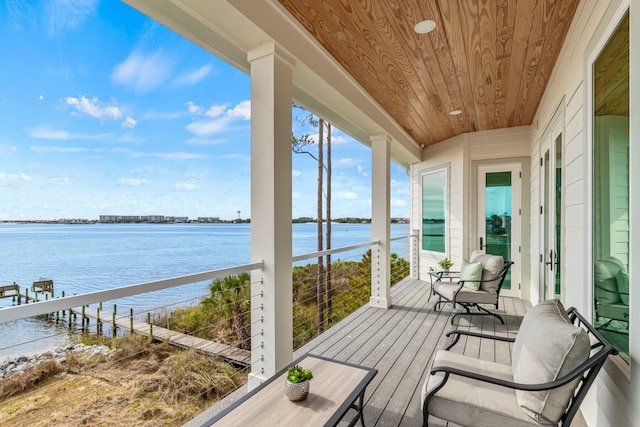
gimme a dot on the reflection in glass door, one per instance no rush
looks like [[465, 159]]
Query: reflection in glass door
[[499, 218]]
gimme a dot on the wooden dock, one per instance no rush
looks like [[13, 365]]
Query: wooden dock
[[42, 288], [211, 348]]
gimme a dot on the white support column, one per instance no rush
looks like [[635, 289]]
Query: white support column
[[380, 221], [271, 289]]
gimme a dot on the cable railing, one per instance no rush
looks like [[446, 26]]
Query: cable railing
[[185, 380], [325, 293], [220, 315]]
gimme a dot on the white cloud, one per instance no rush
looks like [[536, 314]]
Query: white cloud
[[41, 133], [295, 195], [142, 72], [46, 133], [360, 169], [204, 141], [339, 139], [41, 97], [192, 77], [346, 195], [59, 150], [131, 182], [60, 181], [67, 14], [240, 157], [92, 107], [398, 203], [216, 110], [219, 123], [343, 163], [296, 173], [8, 150], [193, 108], [14, 178], [129, 122], [187, 185], [241, 110], [208, 127], [174, 156]]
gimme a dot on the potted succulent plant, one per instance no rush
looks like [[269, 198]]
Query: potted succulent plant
[[445, 264], [296, 386]]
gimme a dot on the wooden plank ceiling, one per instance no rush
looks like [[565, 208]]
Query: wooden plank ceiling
[[491, 59]]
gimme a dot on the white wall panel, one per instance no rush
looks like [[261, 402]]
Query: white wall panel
[[609, 403]]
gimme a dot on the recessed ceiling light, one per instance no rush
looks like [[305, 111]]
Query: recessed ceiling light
[[424, 27], [455, 113]]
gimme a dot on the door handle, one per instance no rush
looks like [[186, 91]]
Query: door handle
[[550, 262], [481, 244]]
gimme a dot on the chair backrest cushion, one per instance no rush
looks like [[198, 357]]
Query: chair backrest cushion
[[492, 265], [604, 276], [547, 347], [471, 274]]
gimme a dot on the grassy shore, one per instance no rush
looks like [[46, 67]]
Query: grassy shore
[[139, 384]]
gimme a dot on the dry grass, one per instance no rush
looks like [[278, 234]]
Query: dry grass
[[18, 383], [142, 384]]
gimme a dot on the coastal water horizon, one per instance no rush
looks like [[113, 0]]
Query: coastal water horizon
[[89, 257]]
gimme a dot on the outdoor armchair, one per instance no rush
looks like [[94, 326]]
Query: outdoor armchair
[[469, 290], [611, 293], [556, 357]]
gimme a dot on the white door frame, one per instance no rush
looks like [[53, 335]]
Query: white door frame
[[546, 265], [516, 219]]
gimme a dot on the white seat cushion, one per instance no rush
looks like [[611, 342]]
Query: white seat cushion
[[473, 403], [466, 295]]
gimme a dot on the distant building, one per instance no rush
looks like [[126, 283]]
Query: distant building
[[208, 219], [155, 219], [119, 218], [177, 219]]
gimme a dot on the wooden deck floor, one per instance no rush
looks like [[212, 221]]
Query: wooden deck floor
[[400, 342]]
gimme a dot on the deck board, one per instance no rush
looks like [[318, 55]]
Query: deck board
[[400, 343]]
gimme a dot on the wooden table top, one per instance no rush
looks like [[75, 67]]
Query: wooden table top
[[334, 387]]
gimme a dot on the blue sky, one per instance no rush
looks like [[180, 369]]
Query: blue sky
[[104, 111]]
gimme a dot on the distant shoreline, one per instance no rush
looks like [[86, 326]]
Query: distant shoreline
[[81, 221]]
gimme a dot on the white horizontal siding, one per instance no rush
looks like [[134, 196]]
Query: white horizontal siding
[[568, 89]]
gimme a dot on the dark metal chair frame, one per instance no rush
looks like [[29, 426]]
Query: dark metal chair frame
[[587, 371], [438, 275]]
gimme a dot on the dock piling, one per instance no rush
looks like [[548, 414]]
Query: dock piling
[[150, 326], [115, 327]]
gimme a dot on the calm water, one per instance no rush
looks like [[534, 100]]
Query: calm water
[[85, 258]]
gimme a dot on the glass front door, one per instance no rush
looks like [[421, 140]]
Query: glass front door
[[499, 218]]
